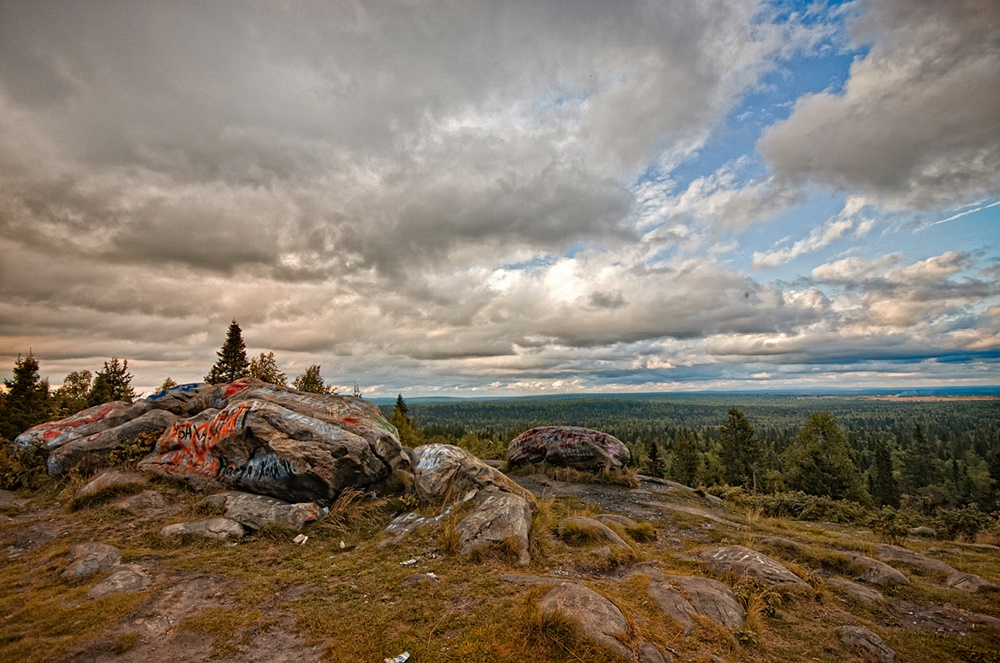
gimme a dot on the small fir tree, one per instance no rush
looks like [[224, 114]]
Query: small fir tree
[[312, 381], [409, 434], [232, 363], [264, 367], [657, 461], [169, 383], [112, 383]]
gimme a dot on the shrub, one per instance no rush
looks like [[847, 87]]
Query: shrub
[[21, 467], [964, 523]]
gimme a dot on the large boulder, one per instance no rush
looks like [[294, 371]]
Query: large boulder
[[278, 441], [501, 510], [88, 453], [579, 448]]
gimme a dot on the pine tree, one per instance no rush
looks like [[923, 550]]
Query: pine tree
[[169, 383], [819, 462], [740, 450], [26, 402], [884, 489], [112, 383], [312, 381], [232, 363], [265, 368]]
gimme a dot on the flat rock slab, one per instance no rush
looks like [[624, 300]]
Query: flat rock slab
[[597, 618], [856, 591], [899, 555], [940, 618], [744, 561], [260, 511], [127, 578], [87, 559], [615, 519], [968, 583], [862, 638], [212, 528], [683, 597]]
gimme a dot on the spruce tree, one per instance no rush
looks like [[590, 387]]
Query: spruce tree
[[739, 451], [112, 383], [657, 462], [232, 363], [819, 462], [884, 488], [409, 434], [921, 467], [26, 402], [685, 465]]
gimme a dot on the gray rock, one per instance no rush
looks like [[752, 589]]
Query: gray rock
[[54, 434], [927, 532], [650, 653], [599, 529], [862, 638], [501, 512], [856, 591], [127, 578], [212, 528], [279, 441], [87, 453], [110, 481], [968, 583], [878, 573], [580, 448], [597, 618], [86, 559], [683, 597], [740, 560], [260, 511]]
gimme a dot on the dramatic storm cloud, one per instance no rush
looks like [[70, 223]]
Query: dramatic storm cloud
[[518, 197]]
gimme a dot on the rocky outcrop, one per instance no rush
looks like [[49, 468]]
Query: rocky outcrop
[[87, 559], [125, 578], [579, 448], [683, 597], [877, 573], [86, 453], [278, 441], [744, 561]]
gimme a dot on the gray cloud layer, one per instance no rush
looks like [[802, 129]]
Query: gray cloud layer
[[450, 194]]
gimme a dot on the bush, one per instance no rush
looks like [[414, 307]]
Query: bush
[[797, 505], [20, 467], [963, 523]]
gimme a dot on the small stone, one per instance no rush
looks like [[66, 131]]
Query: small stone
[[598, 618], [300, 539], [856, 591], [650, 653], [110, 481], [128, 578], [927, 532], [147, 500]]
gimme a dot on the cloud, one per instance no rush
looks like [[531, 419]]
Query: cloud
[[916, 122], [821, 236]]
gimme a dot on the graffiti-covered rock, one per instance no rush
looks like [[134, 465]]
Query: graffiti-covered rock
[[278, 441], [87, 453], [579, 448]]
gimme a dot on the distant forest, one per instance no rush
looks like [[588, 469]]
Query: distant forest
[[924, 454]]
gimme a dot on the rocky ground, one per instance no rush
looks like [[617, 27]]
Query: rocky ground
[[145, 568]]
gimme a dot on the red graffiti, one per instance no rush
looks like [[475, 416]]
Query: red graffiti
[[235, 388], [54, 429], [188, 447]]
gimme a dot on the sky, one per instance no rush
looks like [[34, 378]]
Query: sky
[[458, 198]]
